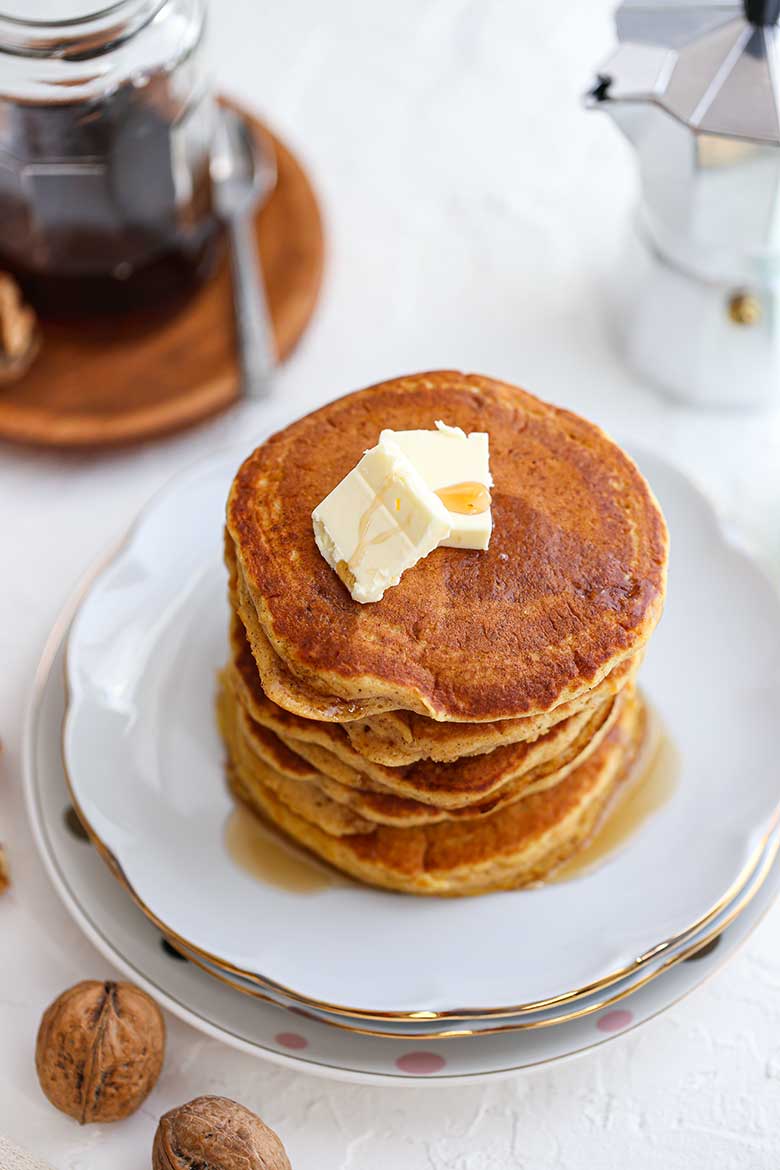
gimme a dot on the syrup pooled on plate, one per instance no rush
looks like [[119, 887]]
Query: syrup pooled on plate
[[649, 786], [259, 851]]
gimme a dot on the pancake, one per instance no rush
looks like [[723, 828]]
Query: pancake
[[305, 799], [328, 748], [572, 584], [401, 737], [512, 847], [248, 743], [395, 738], [481, 779], [282, 686]]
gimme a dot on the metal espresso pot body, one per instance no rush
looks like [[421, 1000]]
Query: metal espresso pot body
[[695, 87]]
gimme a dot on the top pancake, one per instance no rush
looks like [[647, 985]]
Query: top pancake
[[572, 584]]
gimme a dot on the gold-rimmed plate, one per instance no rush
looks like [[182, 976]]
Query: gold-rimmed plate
[[145, 766], [596, 1002], [131, 942]]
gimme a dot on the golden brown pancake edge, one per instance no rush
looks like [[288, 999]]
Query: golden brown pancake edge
[[572, 584]]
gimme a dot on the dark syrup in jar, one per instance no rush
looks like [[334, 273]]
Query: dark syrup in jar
[[106, 204]]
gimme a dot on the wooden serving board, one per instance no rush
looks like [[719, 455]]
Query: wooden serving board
[[111, 381]]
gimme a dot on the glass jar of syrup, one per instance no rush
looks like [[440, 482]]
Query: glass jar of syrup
[[106, 123]]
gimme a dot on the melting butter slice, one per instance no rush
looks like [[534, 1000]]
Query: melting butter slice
[[379, 521], [448, 459]]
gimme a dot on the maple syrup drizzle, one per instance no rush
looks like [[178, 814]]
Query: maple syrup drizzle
[[465, 499], [469, 498], [258, 850], [363, 543], [649, 786]]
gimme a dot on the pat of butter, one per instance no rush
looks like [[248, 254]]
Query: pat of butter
[[379, 521], [446, 457]]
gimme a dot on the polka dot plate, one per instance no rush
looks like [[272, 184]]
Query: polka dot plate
[[287, 1035]]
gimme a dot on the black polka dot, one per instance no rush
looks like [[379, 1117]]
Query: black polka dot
[[707, 949], [74, 825], [171, 951]]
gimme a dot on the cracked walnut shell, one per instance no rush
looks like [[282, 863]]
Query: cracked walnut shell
[[100, 1050], [214, 1133]]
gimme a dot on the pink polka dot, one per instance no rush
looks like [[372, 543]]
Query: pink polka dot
[[291, 1040], [614, 1021], [420, 1063]]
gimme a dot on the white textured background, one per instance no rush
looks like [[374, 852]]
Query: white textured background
[[473, 213]]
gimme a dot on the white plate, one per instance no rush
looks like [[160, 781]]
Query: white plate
[[146, 767], [585, 1005], [130, 941]]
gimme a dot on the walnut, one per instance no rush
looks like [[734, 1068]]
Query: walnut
[[214, 1133], [19, 336], [5, 873], [100, 1050]]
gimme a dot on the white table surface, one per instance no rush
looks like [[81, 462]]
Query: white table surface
[[473, 213]]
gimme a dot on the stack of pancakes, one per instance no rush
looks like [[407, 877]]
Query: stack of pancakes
[[465, 733]]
